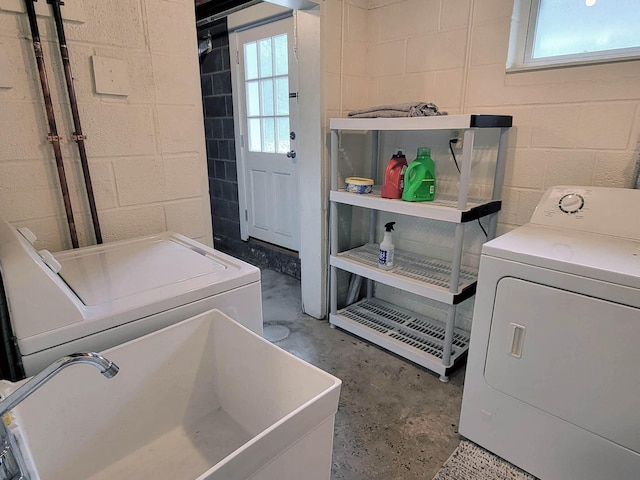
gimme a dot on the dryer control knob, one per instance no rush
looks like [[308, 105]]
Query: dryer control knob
[[571, 203]]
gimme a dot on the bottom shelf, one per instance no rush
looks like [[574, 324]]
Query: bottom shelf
[[412, 336]]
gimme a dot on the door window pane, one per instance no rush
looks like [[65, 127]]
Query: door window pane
[[266, 86], [267, 94], [268, 135], [250, 61], [255, 141], [283, 134], [266, 58], [253, 99], [282, 96], [282, 54]]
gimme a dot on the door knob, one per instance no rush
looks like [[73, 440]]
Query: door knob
[[291, 154]]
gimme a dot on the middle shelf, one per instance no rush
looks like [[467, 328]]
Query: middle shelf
[[443, 208], [428, 277]]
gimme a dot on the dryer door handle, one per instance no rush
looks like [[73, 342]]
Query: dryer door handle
[[517, 340]]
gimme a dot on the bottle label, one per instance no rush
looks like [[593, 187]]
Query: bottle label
[[385, 257]]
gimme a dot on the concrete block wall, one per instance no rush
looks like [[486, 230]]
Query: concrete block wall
[[136, 76], [219, 131], [572, 125]]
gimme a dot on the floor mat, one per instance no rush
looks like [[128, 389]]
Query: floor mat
[[471, 462]]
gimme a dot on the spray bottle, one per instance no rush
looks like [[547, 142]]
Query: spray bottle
[[385, 259]]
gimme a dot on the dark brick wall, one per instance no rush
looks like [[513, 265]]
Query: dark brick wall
[[217, 101], [215, 76]]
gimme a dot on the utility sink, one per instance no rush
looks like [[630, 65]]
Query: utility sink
[[202, 399]]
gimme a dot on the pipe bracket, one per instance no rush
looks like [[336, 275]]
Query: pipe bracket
[[76, 138]]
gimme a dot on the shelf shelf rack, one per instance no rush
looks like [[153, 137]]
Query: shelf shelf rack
[[428, 342]]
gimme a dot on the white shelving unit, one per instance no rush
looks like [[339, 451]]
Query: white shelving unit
[[428, 342]]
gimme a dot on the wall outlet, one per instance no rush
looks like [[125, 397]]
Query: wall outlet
[[456, 139]]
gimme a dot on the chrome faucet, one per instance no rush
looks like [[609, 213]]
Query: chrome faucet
[[106, 367], [12, 465]]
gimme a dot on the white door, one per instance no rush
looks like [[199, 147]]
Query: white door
[[266, 83]]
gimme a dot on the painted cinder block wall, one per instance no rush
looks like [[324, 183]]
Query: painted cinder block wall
[[136, 75], [574, 125]]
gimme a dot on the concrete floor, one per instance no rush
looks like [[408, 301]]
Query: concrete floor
[[395, 421]]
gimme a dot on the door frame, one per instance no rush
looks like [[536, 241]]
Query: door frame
[[312, 170], [239, 124]]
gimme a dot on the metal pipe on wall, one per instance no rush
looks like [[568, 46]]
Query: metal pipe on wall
[[53, 137], [78, 136]]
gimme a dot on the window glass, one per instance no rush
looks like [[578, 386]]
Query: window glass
[[268, 135], [574, 27], [267, 94], [266, 59], [283, 134], [250, 61], [266, 86], [255, 141], [253, 99], [282, 96], [563, 32], [282, 54]]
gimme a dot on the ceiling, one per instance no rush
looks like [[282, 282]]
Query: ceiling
[[207, 8]]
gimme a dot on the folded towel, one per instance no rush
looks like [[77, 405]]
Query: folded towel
[[415, 109]]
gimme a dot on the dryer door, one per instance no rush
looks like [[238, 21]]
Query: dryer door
[[558, 351]]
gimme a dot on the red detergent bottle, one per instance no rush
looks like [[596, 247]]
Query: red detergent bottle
[[393, 184]]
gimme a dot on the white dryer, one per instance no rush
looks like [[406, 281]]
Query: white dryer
[[93, 298], [552, 381]]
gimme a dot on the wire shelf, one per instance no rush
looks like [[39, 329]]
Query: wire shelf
[[418, 338], [411, 272]]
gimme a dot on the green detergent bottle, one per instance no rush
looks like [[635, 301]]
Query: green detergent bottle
[[420, 178]]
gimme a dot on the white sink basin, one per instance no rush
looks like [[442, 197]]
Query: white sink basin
[[203, 399]]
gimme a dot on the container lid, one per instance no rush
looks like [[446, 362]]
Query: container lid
[[359, 181], [104, 275]]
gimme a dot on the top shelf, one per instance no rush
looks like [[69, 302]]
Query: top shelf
[[440, 122]]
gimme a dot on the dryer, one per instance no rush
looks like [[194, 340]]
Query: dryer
[[552, 380], [93, 298]]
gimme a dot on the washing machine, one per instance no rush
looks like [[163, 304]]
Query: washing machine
[[93, 298], [552, 381]]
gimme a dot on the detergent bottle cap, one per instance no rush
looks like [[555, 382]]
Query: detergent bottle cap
[[424, 151], [399, 152], [389, 226]]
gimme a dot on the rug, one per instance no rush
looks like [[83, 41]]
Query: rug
[[472, 462]]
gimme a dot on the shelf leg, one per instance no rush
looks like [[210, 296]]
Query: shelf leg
[[375, 151], [493, 225], [333, 250], [457, 258], [334, 159], [375, 139], [503, 143], [465, 169], [448, 336]]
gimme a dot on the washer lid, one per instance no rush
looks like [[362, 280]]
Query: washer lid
[[129, 269]]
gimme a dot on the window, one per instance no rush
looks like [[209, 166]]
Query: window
[[267, 92], [562, 32]]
